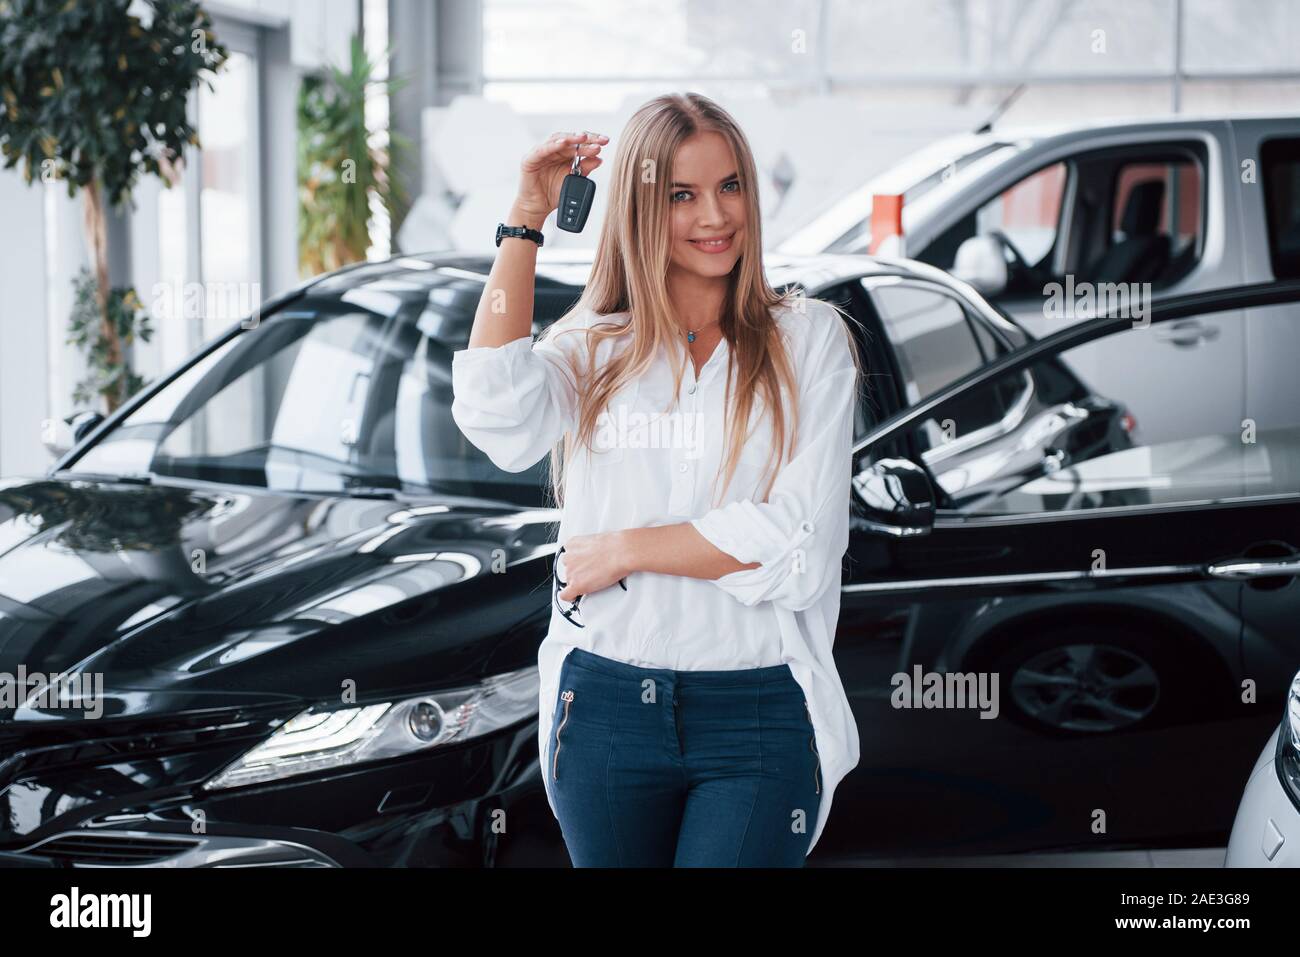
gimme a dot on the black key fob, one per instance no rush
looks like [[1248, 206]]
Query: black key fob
[[576, 193]]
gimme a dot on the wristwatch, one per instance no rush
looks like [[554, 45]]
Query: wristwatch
[[522, 232]]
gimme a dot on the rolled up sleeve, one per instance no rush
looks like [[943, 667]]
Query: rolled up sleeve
[[799, 536], [515, 401]]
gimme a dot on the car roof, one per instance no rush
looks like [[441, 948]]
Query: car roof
[[852, 207], [572, 268], [1133, 122]]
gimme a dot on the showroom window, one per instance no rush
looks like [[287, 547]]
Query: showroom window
[[228, 188]]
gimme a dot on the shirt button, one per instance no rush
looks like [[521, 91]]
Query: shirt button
[[691, 390], [808, 527], [683, 467]]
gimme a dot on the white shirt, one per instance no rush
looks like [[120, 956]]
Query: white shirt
[[515, 401]]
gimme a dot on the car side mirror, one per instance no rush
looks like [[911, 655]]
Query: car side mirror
[[981, 263], [83, 423], [897, 498], [70, 430]]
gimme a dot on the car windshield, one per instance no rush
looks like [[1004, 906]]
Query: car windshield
[[846, 227], [331, 393]]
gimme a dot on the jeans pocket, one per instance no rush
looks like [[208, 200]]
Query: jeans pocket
[[566, 699]]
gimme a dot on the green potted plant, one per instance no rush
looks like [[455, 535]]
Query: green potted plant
[[95, 94], [340, 166]]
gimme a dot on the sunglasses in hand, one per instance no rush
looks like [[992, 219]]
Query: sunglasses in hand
[[571, 614]]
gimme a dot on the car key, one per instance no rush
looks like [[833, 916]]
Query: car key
[[576, 193]]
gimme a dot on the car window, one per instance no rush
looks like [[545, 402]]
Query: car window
[[931, 336], [989, 345], [1146, 440], [1154, 223], [1179, 209], [1137, 214], [1028, 214], [323, 396], [1280, 168], [935, 342]]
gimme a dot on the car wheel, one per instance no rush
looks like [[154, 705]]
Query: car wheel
[[1095, 679]]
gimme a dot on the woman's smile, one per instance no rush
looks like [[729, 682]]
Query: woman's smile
[[717, 245]]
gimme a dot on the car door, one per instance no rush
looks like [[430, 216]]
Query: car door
[[1089, 229], [1092, 581], [1269, 156], [916, 336], [1151, 206]]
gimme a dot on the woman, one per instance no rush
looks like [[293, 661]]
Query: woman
[[691, 713]]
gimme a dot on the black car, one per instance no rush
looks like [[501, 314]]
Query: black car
[[314, 607], [1136, 601]]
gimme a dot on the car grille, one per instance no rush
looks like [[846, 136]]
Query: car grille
[[111, 849], [144, 849]]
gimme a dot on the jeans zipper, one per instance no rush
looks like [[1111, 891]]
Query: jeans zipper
[[567, 697], [812, 746]]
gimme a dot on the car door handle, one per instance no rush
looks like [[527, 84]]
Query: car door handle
[[1255, 568], [1185, 332]]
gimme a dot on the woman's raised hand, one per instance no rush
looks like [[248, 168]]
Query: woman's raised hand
[[543, 170]]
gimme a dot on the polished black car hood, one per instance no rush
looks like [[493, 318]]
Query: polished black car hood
[[179, 598]]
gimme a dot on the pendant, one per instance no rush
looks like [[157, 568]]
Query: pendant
[[690, 337]]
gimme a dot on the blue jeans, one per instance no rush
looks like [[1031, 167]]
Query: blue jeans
[[658, 768]]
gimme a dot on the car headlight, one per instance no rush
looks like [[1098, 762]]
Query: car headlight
[[1288, 743], [321, 738]]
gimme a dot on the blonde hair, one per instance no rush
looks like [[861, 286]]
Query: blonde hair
[[629, 275]]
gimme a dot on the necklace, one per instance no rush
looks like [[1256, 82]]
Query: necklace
[[690, 333]]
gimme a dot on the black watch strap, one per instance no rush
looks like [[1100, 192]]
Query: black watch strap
[[521, 232]]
